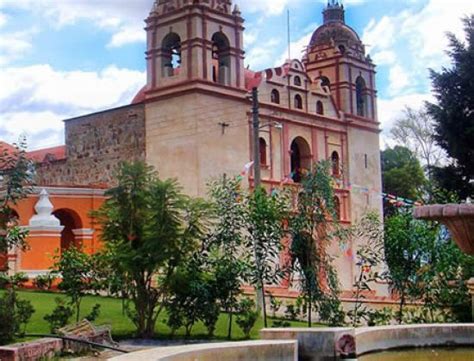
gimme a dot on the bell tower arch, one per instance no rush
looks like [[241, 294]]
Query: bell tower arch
[[194, 41], [336, 57]]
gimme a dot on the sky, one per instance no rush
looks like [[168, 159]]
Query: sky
[[64, 58]]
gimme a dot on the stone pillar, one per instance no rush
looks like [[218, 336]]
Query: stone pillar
[[470, 286], [44, 239]]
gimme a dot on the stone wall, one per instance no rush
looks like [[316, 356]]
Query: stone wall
[[95, 145]]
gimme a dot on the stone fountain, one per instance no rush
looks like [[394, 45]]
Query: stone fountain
[[459, 218]]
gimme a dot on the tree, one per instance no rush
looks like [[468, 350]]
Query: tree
[[313, 226], [16, 179], [152, 228], [226, 245], [265, 216], [401, 172], [416, 131], [406, 242], [369, 256], [75, 270], [453, 111]]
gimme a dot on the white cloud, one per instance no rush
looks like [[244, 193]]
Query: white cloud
[[128, 35], [268, 7], [297, 48], [389, 110], [117, 16], [399, 80], [385, 57], [14, 45], [35, 99], [3, 19]]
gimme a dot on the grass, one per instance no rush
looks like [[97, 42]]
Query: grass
[[122, 327]]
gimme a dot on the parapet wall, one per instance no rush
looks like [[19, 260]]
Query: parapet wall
[[251, 351], [95, 145]]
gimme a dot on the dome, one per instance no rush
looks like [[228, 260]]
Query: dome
[[334, 32]]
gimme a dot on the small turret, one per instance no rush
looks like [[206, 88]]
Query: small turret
[[334, 12]]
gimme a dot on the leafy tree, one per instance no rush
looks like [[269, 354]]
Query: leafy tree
[[226, 246], [402, 173], [265, 216], [247, 316], [16, 179], [74, 269], [453, 111], [406, 242], [369, 256], [415, 130], [152, 228], [312, 227]]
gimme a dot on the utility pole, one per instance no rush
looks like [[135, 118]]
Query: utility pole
[[257, 180], [256, 140]]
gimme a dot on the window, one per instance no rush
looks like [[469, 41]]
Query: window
[[297, 81], [263, 152], [342, 49], [220, 59], [361, 97], [171, 55], [337, 208], [366, 160], [319, 107], [335, 164], [275, 96], [300, 158], [298, 102]]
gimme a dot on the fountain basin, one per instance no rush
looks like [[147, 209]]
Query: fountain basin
[[459, 218]]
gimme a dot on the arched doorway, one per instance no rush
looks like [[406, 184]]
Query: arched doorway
[[70, 220], [300, 158]]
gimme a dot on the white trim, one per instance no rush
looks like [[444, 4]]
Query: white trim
[[83, 233], [57, 230], [35, 273], [68, 191]]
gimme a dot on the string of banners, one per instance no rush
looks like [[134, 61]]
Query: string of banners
[[390, 198]]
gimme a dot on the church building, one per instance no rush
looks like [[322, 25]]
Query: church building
[[193, 121]]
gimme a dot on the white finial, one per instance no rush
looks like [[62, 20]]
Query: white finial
[[44, 213]]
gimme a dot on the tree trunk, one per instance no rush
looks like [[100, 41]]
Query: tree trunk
[[229, 331], [310, 308], [264, 305]]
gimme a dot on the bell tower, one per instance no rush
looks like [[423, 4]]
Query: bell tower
[[194, 41], [336, 57]]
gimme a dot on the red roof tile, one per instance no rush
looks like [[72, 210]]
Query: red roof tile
[[48, 154]]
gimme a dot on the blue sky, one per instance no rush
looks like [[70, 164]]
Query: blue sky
[[63, 58]]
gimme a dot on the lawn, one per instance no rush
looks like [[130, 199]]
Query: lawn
[[122, 327]]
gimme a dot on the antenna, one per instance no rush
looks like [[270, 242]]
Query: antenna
[[289, 34]]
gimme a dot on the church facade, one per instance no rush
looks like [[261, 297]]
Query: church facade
[[192, 121]]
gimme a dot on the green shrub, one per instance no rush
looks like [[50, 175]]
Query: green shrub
[[14, 316], [247, 316], [44, 282], [60, 316], [94, 314]]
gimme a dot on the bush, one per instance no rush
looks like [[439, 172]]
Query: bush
[[44, 282], [94, 314], [247, 316], [14, 316], [60, 316]]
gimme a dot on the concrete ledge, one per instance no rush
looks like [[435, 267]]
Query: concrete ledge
[[231, 351], [321, 344], [314, 344], [45, 348], [372, 339]]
